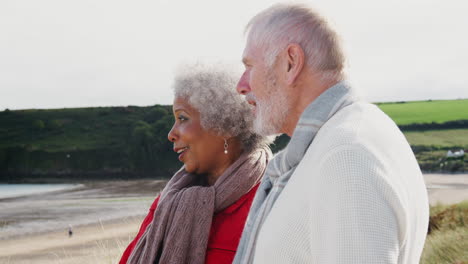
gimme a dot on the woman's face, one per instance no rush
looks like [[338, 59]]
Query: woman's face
[[201, 151]]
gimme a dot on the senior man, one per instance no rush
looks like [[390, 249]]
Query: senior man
[[347, 188]]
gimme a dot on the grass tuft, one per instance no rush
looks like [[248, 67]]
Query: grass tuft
[[447, 241]]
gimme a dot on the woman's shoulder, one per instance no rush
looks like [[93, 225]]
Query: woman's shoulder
[[155, 203], [226, 229], [244, 201], [148, 219]]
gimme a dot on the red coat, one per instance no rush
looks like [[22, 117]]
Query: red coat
[[226, 230]]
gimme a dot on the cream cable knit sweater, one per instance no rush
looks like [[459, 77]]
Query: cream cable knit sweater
[[358, 196]]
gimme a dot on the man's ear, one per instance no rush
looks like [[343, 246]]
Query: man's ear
[[295, 59]]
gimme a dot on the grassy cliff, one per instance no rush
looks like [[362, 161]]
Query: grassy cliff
[[77, 143]]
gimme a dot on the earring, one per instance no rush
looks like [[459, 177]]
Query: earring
[[225, 146]]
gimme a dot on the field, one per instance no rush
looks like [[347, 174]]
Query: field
[[432, 128], [404, 113], [442, 138]]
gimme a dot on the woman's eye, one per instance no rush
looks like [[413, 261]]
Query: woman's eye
[[182, 118]]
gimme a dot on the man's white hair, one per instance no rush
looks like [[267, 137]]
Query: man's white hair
[[210, 89], [282, 24]]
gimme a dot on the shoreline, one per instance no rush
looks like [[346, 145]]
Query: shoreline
[[71, 186], [94, 202]]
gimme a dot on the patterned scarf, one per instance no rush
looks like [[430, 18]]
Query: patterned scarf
[[284, 164], [182, 221]]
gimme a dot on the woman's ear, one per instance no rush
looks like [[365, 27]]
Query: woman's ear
[[295, 58]]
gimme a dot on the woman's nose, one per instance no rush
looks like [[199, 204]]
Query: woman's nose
[[172, 137]]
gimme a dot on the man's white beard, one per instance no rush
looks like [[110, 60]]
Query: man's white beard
[[271, 112]]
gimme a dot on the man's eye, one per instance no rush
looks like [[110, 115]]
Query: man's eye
[[182, 118]]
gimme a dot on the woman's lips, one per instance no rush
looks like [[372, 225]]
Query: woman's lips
[[182, 154]]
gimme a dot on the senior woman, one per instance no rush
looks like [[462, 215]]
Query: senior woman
[[200, 214]]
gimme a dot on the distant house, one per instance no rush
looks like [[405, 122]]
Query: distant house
[[455, 154]]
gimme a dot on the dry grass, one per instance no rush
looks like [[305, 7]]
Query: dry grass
[[447, 242], [446, 247], [100, 244]]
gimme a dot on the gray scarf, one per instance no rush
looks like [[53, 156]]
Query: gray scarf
[[284, 164], [182, 221]]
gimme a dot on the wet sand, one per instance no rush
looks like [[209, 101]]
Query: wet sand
[[106, 215]]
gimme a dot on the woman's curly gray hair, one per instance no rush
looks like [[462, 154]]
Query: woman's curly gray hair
[[210, 88]]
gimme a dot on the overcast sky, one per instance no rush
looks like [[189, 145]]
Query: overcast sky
[[64, 53]]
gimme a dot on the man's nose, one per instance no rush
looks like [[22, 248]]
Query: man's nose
[[243, 85]]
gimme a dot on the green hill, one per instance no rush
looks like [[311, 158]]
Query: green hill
[[85, 142], [77, 128], [404, 113]]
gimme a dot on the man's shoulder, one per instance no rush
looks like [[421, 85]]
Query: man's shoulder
[[359, 128], [355, 124], [357, 115], [361, 137]]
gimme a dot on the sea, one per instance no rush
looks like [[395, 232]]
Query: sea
[[16, 190]]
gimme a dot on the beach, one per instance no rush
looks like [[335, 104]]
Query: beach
[[106, 215], [446, 188], [93, 243]]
